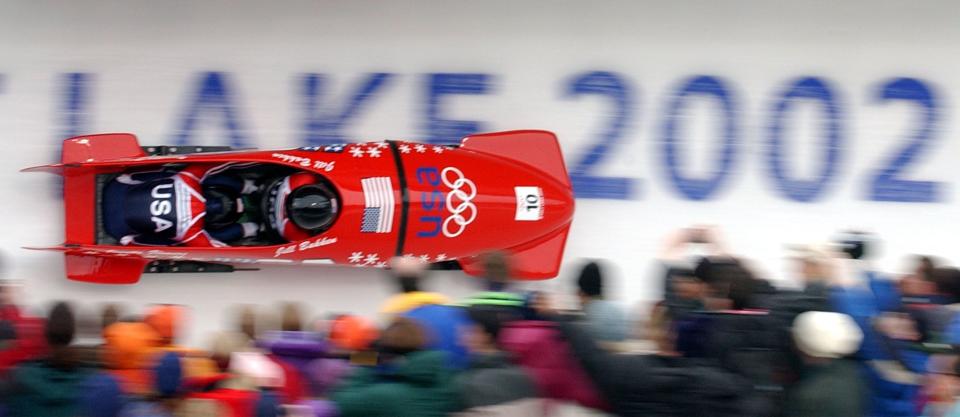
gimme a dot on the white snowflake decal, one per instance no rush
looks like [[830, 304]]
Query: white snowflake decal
[[420, 148], [438, 149], [357, 152], [424, 258], [404, 148], [382, 144], [356, 257], [441, 257], [373, 152], [371, 258]]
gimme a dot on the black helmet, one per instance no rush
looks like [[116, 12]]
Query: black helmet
[[311, 207], [223, 207]]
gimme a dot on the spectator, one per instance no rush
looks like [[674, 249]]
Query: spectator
[[247, 322], [9, 311], [491, 381], [128, 353], [830, 385], [291, 319], [224, 344], [497, 281], [102, 397], [409, 272], [686, 292], [352, 333], [540, 349], [8, 335], [29, 342], [109, 315], [894, 370], [605, 318], [736, 334], [650, 386], [165, 396], [167, 321], [443, 326], [408, 382], [50, 387], [942, 388]]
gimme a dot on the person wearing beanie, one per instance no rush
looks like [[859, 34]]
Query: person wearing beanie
[[51, 387], [829, 385], [606, 320], [408, 273], [167, 320], [128, 349], [407, 382]]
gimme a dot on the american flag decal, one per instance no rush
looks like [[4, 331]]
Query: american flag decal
[[378, 205]]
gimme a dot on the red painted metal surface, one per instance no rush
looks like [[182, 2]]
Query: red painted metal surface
[[507, 191]]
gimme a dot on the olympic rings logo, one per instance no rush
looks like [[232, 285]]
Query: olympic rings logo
[[459, 201]]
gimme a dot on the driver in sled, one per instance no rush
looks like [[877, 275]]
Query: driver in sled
[[203, 205]]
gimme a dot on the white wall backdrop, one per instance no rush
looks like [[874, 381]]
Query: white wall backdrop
[[879, 77]]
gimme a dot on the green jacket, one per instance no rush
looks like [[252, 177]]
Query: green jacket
[[416, 386], [38, 389], [833, 389]]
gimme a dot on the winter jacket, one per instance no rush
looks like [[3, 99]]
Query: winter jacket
[[492, 379], [539, 348], [296, 349], [39, 389], [834, 389], [651, 386], [418, 385], [745, 343], [444, 326], [893, 371], [607, 321]]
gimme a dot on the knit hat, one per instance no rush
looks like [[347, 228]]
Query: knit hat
[[127, 351], [165, 320], [590, 281], [822, 334], [102, 396], [168, 375], [352, 332]]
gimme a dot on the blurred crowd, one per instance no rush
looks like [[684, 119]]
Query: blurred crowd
[[847, 340]]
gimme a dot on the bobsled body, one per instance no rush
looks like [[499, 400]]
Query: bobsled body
[[500, 191]]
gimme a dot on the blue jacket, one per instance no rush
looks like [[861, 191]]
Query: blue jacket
[[889, 396]]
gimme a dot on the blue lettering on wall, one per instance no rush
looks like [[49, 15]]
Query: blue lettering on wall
[[441, 130], [710, 88], [75, 97], [609, 85], [212, 98], [887, 183], [324, 124], [810, 89]]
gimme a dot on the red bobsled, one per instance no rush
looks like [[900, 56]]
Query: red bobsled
[[441, 204]]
